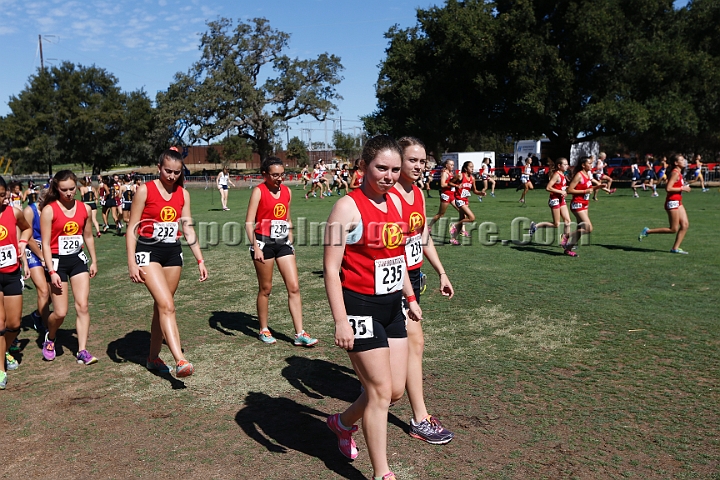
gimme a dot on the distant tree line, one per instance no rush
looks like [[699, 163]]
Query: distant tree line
[[638, 73]]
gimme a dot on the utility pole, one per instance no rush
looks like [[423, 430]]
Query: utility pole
[[42, 64]]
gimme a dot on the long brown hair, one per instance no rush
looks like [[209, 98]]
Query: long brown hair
[[53, 193]]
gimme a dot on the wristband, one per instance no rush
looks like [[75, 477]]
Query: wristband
[[411, 299], [51, 272], [202, 260], [22, 241]]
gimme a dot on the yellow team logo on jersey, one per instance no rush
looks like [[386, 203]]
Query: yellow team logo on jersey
[[168, 214], [279, 211], [416, 222], [3, 232], [71, 228], [392, 235]]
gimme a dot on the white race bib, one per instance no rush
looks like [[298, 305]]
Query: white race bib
[[672, 204], [389, 275], [586, 196], [465, 194], [413, 250], [69, 244], [278, 229], [554, 202], [362, 326], [8, 256], [576, 206], [165, 231], [142, 259], [83, 257]]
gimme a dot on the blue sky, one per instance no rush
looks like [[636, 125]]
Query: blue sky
[[145, 42]]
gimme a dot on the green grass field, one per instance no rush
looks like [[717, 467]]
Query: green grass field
[[545, 366]]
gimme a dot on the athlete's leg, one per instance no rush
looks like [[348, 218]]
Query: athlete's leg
[[683, 225], [162, 283], [288, 270], [264, 275], [414, 382], [441, 212], [93, 217], [80, 284], [42, 289], [13, 314]]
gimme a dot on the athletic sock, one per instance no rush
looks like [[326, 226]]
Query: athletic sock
[[341, 424]]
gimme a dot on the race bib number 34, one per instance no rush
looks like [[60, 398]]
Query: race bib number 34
[[389, 275], [69, 244], [8, 256]]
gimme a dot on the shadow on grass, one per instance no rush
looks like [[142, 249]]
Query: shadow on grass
[[228, 323], [628, 248], [284, 426], [537, 250], [318, 379], [134, 347]]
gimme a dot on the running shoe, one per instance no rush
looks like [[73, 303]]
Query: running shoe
[[306, 197], [184, 369], [643, 234], [431, 431], [37, 321], [479, 199], [48, 348], [454, 241], [105, 227], [705, 189], [453, 230], [387, 476], [636, 195], [423, 283], [492, 194], [679, 250], [346, 444], [612, 190], [84, 357], [570, 253], [522, 200], [564, 239], [302, 339], [266, 337], [15, 346], [655, 194], [533, 228], [157, 365], [10, 362], [99, 234], [465, 233], [3, 380]]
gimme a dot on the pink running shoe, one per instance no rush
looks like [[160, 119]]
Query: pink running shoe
[[346, 444], [465, 233], [48, 349], [453, 230], [454, 241], [563, 240]]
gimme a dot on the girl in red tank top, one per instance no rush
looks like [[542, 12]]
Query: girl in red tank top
[[269, 228], [364, 252], [159, 210], [423, 425], [557, 186], [65, 228], [11, 251], [581, 187], [463, 193], [447, 192], [677, 216]]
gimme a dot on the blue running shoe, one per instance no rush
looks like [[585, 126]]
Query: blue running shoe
[[643, 234]]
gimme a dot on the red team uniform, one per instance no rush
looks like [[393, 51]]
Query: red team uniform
[[557, 200], [581, 202]]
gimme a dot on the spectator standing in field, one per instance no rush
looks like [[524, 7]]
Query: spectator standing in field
[[677, 215], [223, 179]]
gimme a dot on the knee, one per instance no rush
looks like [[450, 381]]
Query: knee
[[165, 307], [416, 342], [293, 288], [81, 307], [265, 290], [380, 393], [685, 224], [43, 291], [60, 311]]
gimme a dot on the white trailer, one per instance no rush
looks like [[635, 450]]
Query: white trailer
[[475, 157]]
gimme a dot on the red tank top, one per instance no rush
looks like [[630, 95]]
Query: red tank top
[[9, 251], [413, 216], [159, 217], [449, 190], [66, 232], [465, 189], [679, 183], [272, 213], [561, 184], [584, 184], [375, 264]]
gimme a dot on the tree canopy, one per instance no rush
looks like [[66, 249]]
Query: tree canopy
[[232, 87], [76, 114], [573, 70], [297, 149]]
